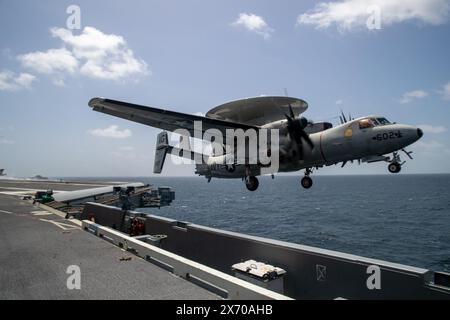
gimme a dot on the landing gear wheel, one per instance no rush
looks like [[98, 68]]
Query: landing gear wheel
[[394, 167], [251, 183], [306, 182]]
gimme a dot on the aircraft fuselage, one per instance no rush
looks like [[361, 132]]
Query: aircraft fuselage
[[353, 140]]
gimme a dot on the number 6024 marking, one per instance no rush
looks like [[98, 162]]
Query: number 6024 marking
[[388, 135]]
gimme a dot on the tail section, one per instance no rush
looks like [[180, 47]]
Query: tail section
[[162, 147]]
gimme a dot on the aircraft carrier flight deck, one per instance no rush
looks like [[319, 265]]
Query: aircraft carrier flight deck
[[37, 246], [123, 254]]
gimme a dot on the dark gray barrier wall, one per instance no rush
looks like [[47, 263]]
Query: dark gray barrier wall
[[312, 273], [105, 215]]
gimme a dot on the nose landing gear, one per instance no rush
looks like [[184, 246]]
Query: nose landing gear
[[395, 165], [306, 181]]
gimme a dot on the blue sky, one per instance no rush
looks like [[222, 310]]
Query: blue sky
[[190, 56]]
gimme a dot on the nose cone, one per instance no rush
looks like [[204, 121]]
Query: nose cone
[[419, 133], [407, 135]]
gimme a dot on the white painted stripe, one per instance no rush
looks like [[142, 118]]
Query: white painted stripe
[[4, 211], [15, 193], [58, 213], [61, 225], [41, 213]]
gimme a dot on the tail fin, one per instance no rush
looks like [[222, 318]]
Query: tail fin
[[162, 147]]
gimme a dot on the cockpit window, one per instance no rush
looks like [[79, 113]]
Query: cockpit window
[[366, 123], [383, 121], [372, 122]]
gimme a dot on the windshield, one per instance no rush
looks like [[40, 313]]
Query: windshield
[[372, 122], [383, 121]]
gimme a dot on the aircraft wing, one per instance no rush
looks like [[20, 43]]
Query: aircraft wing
[[163, 119]]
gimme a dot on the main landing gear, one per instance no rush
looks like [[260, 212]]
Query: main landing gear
[[306, 181], [251, 183]]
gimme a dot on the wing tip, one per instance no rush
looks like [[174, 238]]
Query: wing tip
[[94, 102]]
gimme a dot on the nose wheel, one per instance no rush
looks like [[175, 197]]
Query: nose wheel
[[251, 183], [394, 167]]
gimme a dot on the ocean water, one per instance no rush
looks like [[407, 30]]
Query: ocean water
[[399, 218]]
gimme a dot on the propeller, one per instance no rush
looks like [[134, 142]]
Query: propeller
[[296, 128]]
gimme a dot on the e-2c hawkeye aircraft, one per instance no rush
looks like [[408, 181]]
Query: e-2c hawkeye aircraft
[[302, 144]]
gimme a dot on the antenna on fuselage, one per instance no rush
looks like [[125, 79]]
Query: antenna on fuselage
[[344, 119]]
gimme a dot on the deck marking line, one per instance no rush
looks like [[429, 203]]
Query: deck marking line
[[61, 225], [41, 213]]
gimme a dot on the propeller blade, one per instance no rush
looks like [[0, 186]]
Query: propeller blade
[[306, 137], [287, 117], [291, 111], [296, 131]]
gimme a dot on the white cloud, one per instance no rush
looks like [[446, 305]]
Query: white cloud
[[412, 95], [253, 23], [427, 128], [350, 14], [50, 62], [92, 53], [339, 102], [59, 82], [24, 80], [106, 56], [446, 91], [9, 81], [111, 132]]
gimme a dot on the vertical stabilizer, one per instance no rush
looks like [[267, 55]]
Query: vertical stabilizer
[[162, 147]]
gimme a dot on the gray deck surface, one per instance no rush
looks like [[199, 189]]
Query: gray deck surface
[[35, 254]]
